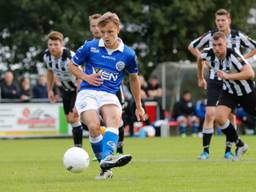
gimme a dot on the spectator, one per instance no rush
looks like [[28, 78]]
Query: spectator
[[155, 92], [25, 90], [40, 89], [154, 89], [9, 90], [183, 112]]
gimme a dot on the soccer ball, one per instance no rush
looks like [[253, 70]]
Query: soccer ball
[[76, 160]]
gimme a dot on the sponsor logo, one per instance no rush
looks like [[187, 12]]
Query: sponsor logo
[[106, 75], [94, 50], [108, 57]]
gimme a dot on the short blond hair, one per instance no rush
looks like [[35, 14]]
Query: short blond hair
[[222, 12], [55, 35], [109, 17]]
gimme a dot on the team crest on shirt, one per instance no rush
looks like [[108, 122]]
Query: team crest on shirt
[[120, 65]]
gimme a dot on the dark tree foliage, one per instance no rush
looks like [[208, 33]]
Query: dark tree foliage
[[158, 30]]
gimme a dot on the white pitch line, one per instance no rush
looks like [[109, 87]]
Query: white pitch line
[[194, 161]]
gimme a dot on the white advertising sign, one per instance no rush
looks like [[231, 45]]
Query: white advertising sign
[[15, 117]]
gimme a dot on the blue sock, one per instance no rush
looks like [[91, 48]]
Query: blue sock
[[195, 128], [110, 140], [96, 144], [183, 129]]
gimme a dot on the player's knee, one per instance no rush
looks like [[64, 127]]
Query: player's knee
[[210, 115], [220, 118], [114, 121], [94, 127]]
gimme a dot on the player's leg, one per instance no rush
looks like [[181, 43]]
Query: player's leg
[[229, 130], [214, 88], [228, 102], [248, 102], [77, 130], [228, 154], [120, 143], [91, 119], [68, 98], [111, 114], [87, 107], [207, 131]]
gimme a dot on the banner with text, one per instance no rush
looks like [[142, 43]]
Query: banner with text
[[29, 118]]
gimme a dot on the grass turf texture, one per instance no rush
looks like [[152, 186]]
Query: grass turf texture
[[168, 164]]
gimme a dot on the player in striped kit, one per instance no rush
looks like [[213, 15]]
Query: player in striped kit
[[56, 58], [238, 87], [236, 39]]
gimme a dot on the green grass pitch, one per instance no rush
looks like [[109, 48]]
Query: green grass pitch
[[168, 164]]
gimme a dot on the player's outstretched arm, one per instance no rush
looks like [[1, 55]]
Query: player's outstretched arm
[[135, 88]]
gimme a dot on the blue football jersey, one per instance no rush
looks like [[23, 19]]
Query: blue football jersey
[[97, 59]]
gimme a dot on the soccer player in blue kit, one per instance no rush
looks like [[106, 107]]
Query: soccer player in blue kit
[[106, 60]]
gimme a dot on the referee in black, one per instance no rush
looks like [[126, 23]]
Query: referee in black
[[238, 88]]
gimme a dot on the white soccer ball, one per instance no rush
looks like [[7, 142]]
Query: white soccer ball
[[76, 160]]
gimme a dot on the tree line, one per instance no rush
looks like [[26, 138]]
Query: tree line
[[158, 30]]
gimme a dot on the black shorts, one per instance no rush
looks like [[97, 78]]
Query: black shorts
[[248, 102], [68, 100], [214, 89], [120, 97]]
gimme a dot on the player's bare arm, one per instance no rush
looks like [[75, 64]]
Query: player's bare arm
[[246, 73], [194, 51], [93, 79], [50, 83], [250, 54], [135, 88], [200, 73]]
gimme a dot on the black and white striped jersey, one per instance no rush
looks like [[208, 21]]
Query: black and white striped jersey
[[215, 64], [232, 63], [60, 68], [236, 40]]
